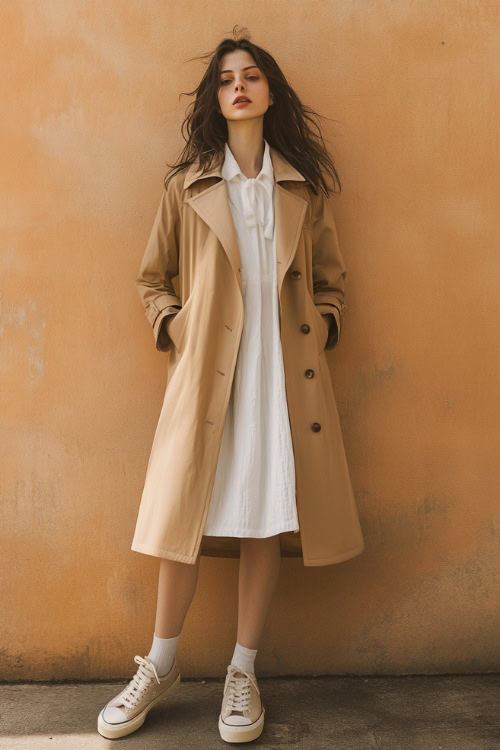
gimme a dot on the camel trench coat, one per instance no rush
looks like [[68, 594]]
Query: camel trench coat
[[191, 266]]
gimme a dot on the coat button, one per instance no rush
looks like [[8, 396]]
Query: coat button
[[315, 427], [295, 274], [305, 328], [309, 373]]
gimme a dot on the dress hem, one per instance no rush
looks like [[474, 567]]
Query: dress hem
[[256, 533]]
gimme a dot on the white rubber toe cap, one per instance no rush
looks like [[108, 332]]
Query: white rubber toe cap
[[113, 715], [235, 720]]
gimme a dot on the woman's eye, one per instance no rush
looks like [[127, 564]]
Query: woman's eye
[[250, 78]]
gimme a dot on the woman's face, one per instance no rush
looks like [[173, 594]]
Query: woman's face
[[239, 76]]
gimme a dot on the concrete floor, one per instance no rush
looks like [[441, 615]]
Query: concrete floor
[[334, 713]]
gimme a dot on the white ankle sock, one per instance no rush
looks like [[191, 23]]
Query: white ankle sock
[[244, 657], [162, 653]]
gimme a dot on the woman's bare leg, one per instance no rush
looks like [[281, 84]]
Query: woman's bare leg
[[258, 575], [176, 588]]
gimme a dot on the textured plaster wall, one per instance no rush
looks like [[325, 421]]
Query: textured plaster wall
[[90, 115]]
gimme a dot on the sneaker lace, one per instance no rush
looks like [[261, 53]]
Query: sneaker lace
[[140, 681], [239, 689]]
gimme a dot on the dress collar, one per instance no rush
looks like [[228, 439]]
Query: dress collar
[[231, 168]]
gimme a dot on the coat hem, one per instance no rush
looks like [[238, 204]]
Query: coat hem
[[146, 549], [310, 562]]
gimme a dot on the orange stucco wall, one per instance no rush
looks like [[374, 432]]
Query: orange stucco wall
[[90, 115]]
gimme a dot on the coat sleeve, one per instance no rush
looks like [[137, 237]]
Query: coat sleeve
[[328, 268], [160, 264]]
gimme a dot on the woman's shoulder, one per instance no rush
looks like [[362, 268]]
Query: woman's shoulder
[[174, 183], [302, 190]]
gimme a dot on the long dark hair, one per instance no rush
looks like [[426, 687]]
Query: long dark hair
[[289, 125]]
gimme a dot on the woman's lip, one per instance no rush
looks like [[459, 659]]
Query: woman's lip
[[243, 101]]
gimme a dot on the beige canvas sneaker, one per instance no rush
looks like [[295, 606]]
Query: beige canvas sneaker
[[127, 711], [242, 714]]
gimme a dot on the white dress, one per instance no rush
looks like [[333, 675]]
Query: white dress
[[254, 486]]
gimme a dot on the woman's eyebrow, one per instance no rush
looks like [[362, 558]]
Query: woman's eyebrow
[[247, 67]]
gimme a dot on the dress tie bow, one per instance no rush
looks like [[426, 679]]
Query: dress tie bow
[[257, 197]]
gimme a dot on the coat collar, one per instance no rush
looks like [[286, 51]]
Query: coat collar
[[282, 168], [212, 206]]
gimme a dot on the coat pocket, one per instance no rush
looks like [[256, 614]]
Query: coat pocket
[[319, 325], [177, 326]]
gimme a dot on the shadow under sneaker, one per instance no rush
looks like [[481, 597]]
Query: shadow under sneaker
[[127, 711]]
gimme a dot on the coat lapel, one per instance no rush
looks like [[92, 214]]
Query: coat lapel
[[212, 205]]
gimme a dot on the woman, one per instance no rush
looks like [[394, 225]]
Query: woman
[[247, 458]]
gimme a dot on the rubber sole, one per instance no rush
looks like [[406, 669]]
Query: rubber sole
[[242, 733], [113, 731]]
